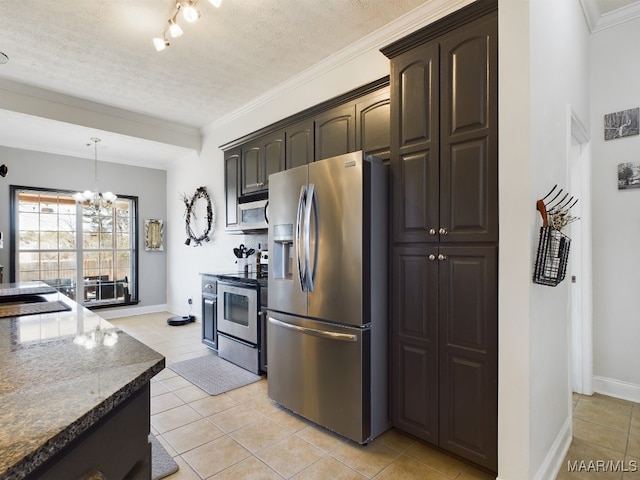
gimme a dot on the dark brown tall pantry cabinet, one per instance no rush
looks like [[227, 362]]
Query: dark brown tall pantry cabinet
[[444, 164]]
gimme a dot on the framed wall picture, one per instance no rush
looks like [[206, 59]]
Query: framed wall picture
[[628, 175], [153, 235], [621, 124]]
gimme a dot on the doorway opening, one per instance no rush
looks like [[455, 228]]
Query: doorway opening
[[580, 304]]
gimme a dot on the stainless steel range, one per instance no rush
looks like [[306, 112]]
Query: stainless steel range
[[241, 317]]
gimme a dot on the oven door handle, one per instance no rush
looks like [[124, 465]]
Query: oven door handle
[[343, 337]]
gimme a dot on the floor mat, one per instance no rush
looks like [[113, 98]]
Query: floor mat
[[162, 465], [213, 374]]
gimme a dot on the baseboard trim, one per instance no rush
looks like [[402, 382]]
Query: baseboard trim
[[555, 457], [616, 388], [109, 314]]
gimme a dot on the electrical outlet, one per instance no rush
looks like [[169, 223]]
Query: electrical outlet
[[190, 301]]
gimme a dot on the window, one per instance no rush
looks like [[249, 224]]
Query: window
[[87, 254]]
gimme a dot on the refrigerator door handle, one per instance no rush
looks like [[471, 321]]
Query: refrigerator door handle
[[311, 204], [343, 337], [299, 221]]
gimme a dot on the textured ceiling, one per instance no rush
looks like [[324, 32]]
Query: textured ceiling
[[78, 51], [102, 50]]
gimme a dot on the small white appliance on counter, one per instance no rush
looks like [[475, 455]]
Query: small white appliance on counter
[[327, 311]]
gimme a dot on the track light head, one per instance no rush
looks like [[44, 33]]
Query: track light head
[[174, 29], [160, 43], [189, 11]]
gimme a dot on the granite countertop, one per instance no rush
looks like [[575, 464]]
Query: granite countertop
[[251, 278], [60, 373]]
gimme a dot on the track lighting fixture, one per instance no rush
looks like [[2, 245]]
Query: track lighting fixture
[[190, 13]]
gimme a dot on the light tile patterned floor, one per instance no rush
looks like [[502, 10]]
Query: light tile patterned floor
[[242, 434], [605, 429]]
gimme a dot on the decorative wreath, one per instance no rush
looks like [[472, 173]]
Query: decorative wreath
[[201, 192]]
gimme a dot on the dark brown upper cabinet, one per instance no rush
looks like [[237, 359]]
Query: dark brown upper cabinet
[[335, 132], [469, 134], [231, 169], [260, 159], [299, 139], [356, 120], [415, 115], [373, 124], [444, 114]]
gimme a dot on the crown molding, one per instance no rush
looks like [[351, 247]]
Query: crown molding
[[598, 21], [408, 23]]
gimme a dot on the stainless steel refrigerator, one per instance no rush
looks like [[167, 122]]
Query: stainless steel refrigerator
[[327, 312]]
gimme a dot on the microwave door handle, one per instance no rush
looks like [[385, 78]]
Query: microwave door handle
[[298, 239], [312, 206]]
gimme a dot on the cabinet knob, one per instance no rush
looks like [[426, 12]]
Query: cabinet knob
[[432, 231], [432, 257], [208, 285], [443, 231], [260, 184], [442, 257]]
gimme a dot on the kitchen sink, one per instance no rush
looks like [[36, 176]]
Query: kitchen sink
[[21, 299]]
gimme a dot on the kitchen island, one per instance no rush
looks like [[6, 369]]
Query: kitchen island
[[74, 392]]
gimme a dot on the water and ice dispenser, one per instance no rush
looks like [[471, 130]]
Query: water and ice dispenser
[[283, 251]]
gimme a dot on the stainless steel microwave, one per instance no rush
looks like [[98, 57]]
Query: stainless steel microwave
[[254, 215]]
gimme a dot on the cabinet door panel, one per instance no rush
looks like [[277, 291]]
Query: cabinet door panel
[[468, 136], [468, 64], [373, 125], [415, 93], [414, 372], [299, 149], [467, 351], [415, 146], [415, 197], [250, 169], [273, 148], [231, 167], [335, 132], [209, 323], [468, 193]]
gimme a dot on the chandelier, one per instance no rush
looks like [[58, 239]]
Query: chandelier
[[94, 198], [189, 12]]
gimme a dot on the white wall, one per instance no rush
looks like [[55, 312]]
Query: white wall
[[559, 77], [543, 61], [514, 266], [615, 71], [37, 169]]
